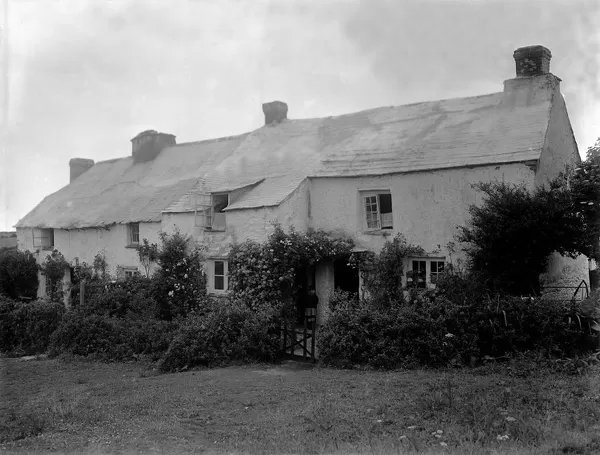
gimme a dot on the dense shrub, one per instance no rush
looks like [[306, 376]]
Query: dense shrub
[[180, 284], [136, 296], [512, 234], [230, 331], [55, 265], [382, 273], [26, 327], [264, 274], [18, 274], [433, 331], [111, 338]]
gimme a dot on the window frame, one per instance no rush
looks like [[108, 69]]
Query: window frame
[[130, 272], [207, 212], [49, 244], [130, 241], [428, 282], [366, 197], [224, 276], [438, 272]]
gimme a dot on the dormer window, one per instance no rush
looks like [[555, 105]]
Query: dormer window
[[133, 234], [209, 211], [377, 210]]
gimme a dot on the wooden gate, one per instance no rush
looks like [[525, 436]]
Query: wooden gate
[[298, 342]]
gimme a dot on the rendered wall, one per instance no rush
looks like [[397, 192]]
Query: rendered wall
[[84, 244], [560, 152], [427, 206]]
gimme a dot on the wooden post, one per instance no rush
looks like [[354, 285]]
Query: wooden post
[[82, 292], [312, 339], [304, 347], [284, 335]]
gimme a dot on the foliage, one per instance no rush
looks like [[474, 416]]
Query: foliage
[[100, 266], [25, 327], [18, 274], [264, 275], [136, 296], [432, 330], [511, 236], [584, 184], [148, 254], [382, 273], [110, 338], [228, 332], [180, 281], [54, 267]]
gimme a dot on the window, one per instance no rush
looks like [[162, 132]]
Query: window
[[220, 276], [419, 275], [134, 233], [43, 238], [130, 272], [378, 210], [437, 268], [422, 269], [209, 211]]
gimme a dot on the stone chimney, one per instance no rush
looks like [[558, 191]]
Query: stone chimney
[[275, 112], [78, 166], [534, 83], [148, 144], [532, 61]]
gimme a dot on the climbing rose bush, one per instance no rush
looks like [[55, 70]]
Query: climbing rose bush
[[263, 274]]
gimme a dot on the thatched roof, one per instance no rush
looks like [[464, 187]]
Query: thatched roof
[[275, 159]]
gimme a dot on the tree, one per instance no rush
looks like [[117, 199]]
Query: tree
[[584, 185], [18, 274], [148, 254], [512, 235]]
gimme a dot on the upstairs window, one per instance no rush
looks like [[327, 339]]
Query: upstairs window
[[43, 238], [209, 211], [377, 210], [133, 233]]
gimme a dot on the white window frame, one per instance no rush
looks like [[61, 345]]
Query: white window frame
[[212, 275], [370, 198], [130, 272], [437, 273], [205, 209], [43, 238], [130, 236], [429, 283]]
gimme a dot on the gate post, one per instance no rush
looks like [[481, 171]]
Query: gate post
[[82, 292]]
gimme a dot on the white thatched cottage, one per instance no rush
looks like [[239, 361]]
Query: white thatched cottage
[[368, 175]]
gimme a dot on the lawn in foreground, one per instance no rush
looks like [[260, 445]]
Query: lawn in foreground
[[84, 407]]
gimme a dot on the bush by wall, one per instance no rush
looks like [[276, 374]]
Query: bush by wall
[[230, 331], [135, 296], [111, 338], [26, 327], [18, 274], [433, 331]]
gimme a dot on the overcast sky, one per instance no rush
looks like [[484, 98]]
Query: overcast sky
[[85, 76]]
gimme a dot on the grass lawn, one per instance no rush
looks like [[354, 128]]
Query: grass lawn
[[85, 407]]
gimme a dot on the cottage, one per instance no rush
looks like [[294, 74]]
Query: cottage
[[366, 175]]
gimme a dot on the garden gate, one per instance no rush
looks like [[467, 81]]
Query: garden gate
[[298, 342]]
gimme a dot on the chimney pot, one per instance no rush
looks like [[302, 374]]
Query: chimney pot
[[275, 112], [532, 61], [78, 166], [148, 144]]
